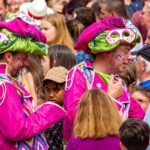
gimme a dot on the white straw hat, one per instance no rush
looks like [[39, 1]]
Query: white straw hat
[[36, 10]]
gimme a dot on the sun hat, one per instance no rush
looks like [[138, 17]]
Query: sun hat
[[106, 35], [36, 10], [56, 74]]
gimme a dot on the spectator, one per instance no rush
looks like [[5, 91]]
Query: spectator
[[142, 96], [143, 66], [55, 29], [58, 55], [52, 90], [134, 135], [97, 123]]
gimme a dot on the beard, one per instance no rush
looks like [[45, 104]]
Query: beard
[[2, 18], [19, 72]]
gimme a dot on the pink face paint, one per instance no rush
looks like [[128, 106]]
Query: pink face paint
[[120, 58]]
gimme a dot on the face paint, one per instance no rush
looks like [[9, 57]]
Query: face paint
[[120, 58]]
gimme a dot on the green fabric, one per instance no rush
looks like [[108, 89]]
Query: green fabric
[[104, 76], [18, 44], [99, 44]]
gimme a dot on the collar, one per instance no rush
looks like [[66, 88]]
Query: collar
[[3, 68], [89, 64], [145, 84]]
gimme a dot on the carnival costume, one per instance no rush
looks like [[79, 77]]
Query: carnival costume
[[102, 36], [20, 123]]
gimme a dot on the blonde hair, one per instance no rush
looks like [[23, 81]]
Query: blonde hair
[[62, 33], [97, 116]]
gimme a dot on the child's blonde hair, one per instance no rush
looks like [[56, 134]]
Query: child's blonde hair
[[97, 116]]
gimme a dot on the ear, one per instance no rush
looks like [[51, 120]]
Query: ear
[[122, 146], [144, 65], [8, 57]]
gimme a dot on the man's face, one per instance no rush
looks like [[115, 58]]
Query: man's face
[[2, 11], [120, 58], [146, 16], [55, 92], [141, 99], [13, 5], [16, 63], [140, 67]]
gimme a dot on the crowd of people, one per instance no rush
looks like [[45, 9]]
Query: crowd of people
[[74, 74]]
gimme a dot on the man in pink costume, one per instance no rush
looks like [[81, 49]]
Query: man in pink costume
[[20, 124], [110, 43]]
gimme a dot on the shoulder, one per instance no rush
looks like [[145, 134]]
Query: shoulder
[[3, 91], [75, 74]]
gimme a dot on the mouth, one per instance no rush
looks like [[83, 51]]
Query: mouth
[[52, 100]]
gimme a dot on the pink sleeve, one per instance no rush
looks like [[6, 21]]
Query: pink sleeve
[[135, 110], [13, 123], [74, 90]]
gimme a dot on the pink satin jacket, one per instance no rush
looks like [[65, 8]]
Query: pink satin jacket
[[20, 124], [82, 77]]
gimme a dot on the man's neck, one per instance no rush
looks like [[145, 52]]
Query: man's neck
[[144, 77], [101, 64]]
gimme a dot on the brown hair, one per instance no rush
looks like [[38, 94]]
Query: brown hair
[[129, 75], [97, 116], [35, 68], [116, 6], [61, 55], [62, 35], [75, 28], [142, 90]]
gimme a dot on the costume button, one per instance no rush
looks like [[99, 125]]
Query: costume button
[[98, 85]]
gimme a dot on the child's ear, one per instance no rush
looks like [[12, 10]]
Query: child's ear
[[122, 146]]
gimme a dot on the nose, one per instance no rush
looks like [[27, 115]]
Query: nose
[[26, 62], [147, 41], [16, 7], [52, 94], [128, 58], [43, 31]]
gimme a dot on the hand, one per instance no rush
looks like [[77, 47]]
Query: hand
[[115, 89]]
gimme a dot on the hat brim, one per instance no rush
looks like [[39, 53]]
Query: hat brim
[[25, 7]]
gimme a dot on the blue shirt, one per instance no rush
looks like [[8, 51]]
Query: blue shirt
[[145, 84]]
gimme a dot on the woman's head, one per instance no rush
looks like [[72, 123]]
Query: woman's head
[[58, 55], [55, 30], [97, 116]]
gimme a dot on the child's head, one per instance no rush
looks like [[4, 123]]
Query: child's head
[[97, 116], [142, 96], [134, 134], [52, 87]]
